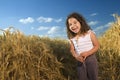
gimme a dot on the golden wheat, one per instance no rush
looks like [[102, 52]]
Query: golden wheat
[[27, 58], [109, 53], [35, 58]]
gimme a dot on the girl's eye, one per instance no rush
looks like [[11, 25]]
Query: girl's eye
[[70, 24], [75, 22]]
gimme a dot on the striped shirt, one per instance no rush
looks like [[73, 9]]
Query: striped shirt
[[83, 43]]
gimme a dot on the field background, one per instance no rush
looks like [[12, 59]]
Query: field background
[[41, 58]]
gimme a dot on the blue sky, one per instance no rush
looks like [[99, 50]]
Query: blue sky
[[47, 17]]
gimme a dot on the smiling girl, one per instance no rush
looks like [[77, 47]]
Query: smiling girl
[[83, 46]]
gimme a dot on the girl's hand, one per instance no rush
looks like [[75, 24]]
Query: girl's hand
[[80, 58], [84, 55]]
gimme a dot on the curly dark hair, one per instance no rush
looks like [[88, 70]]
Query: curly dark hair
[[84, 26]]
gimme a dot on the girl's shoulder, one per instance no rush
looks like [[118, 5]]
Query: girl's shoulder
[[90, 31], [72, 39]]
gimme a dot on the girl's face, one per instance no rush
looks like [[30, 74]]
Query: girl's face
[[74, 25]]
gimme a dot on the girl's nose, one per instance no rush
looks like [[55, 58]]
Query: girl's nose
[[73, 25]]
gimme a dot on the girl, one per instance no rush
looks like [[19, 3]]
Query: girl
[[83, 45]]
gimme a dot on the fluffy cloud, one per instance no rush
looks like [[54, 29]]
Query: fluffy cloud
[[101, 28], [43, 19], [47, 20], [53, 30], [58, 20], [43, 28], [50, 30], [92, 23], [40, 20], [93, 14], [27, 20]]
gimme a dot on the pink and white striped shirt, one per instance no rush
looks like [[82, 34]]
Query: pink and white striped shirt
[[83, 43]]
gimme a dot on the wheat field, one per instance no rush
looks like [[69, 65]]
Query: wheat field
[[41, 58]]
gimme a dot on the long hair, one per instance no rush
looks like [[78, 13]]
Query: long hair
[[84, 26]]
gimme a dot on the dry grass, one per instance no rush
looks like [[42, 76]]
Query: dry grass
[[109, 53], [35, 58], [27, 58]]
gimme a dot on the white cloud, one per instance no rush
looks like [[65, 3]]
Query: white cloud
[[32, 28], [58, 20], [108, 24], [40, 20], [91, 23], [43, 36], [43, 28], [27, 20], [93, 14], [43, 19], [46, 20], [98, 28], [53, 30], [103, 27], [57, 32]]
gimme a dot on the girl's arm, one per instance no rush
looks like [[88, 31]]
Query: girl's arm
[[72, 50], [95, 46]]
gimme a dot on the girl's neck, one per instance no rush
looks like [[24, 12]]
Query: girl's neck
[[79, 35]]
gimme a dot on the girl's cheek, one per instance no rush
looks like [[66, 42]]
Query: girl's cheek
[[70, 28]]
